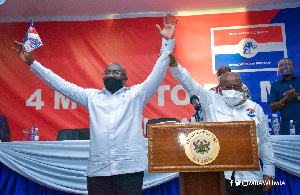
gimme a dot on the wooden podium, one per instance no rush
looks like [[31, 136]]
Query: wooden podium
[[237, 152]]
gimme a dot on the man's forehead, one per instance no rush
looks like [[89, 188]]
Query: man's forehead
[[114, 67], [230, 77], [285, 61]]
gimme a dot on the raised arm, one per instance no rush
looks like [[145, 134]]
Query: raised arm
[[153, 81], [188, 83], [70, 90], [168, 30]]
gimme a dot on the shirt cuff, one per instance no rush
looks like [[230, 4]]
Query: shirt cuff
[[269, 170], [35, 65], [38, 69], [168, 45]]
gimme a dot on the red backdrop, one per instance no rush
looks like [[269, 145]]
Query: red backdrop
[[79, 51]]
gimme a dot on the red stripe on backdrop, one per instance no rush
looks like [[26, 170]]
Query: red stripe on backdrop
[[259, 34], [79, 51]]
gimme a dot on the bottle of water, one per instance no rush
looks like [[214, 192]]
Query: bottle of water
[[25, 135], [292, 127], [31, 132], [36, 134], [275, 125]]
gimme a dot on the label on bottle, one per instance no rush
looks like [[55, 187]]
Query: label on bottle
[[193, 119], [292, 130], [275, 126], [31, 137]]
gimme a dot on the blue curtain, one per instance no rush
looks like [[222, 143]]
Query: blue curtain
[[291, 184], [168, 188], [12, 183]]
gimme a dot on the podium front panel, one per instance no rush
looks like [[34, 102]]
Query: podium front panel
[[237, 140]]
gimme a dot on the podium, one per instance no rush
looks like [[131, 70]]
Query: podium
[[168, 146]]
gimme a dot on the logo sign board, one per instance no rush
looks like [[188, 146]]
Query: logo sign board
[[248, 48]]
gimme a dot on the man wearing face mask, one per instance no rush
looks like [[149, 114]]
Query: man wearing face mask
[[231, 105], [194, 100], [285, 97], [220, 72], [117, 156]]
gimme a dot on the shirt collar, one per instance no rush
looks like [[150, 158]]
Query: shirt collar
[[123, 89], [241, 105]]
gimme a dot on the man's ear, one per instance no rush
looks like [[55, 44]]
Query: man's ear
[[124, 80]]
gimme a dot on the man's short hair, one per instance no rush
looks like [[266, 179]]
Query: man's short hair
[[223, 69]]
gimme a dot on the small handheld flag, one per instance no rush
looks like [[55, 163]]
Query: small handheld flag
[[32, 39]]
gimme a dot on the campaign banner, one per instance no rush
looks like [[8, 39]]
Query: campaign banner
[[248, 48], [80, 57]]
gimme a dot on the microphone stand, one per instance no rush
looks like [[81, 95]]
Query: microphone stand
[[197, 117]]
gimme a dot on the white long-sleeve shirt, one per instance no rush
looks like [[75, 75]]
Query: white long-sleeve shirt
[[214, 109], [117, 144]]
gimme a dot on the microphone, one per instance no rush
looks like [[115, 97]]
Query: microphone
[[194, 100]]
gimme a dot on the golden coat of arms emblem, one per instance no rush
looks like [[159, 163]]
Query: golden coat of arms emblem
[[202, 147]]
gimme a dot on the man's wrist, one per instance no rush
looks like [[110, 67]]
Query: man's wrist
[[168, 45], [30, 63], [282, 102], [270, 176], [173, 64]]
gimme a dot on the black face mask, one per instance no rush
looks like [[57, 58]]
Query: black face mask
[[112, 84]]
